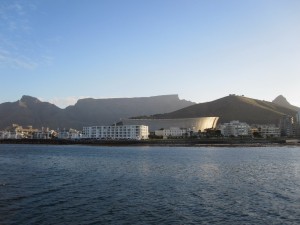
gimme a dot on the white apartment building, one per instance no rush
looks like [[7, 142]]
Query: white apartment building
[[41, 134], [235, 128], [269, 131], [11, 135], [69, 134], [172, 132], [134, 132]]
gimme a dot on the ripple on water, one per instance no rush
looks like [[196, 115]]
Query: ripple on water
[[99, 185]]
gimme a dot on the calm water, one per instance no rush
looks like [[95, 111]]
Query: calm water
[[148, 185]]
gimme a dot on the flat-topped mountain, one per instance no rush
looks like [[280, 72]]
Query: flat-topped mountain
[[234, 107], [86, 112]]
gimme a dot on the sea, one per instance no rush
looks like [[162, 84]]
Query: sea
[[46, 184]]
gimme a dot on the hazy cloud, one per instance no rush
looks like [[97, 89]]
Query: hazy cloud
[[15, 62], [14, 16], [19, 48]]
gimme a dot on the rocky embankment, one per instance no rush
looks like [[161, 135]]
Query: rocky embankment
[[168, 142]]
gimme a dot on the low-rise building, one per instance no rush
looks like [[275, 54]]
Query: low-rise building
[[268, 131], [171, 132], [69, 134], [134, 132], [18, 132], [44, 133], [235, 128], [11, 135]]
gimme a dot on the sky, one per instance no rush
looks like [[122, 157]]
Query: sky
[[202, 50]]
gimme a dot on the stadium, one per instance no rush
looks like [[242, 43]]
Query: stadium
[[194, 124]]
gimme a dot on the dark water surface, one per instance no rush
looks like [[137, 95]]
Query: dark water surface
[[149, 185]]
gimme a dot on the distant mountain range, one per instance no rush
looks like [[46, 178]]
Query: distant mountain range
[[233, 107], [89, 112], [86, 112]]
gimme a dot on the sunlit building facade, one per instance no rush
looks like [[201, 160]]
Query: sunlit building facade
[[193, 124], [120, 132]]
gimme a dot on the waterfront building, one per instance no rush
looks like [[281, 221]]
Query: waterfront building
[[286, 125], [235, 128], [44, 133], [14, 132], [172, 132], [17, 132], [2, 134], [69, 134], [134, 132], [297, 124], [297, 130], [11, 135], [193, 124], [268, 131], [298, 117]]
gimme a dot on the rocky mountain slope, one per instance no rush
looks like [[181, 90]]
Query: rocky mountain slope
[[86, 112], [234, 107], [280, 100]]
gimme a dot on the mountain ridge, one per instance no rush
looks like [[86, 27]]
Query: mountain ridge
[[92, 112], [233, 107], [86, 112]]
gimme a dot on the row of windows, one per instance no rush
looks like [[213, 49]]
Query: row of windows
[[115, 128], [112, 132]]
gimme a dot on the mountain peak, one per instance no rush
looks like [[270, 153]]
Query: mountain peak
[[281, 100], [27, 98]]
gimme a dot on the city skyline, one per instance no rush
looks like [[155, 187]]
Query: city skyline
[[60, 51]]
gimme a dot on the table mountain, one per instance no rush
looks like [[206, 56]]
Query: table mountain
[[86, 112]]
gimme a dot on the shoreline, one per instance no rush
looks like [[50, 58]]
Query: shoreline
[[158, 143]]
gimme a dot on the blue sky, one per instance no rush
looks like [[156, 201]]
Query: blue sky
[[62, 50]]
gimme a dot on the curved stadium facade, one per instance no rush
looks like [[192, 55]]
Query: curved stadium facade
[[195, 124]]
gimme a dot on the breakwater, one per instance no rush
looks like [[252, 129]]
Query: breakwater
[[168, 142]]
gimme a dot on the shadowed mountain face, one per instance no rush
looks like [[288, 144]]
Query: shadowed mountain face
[[90, 112], [280, 100], [30, 111], [86, 112], [234, 107]]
